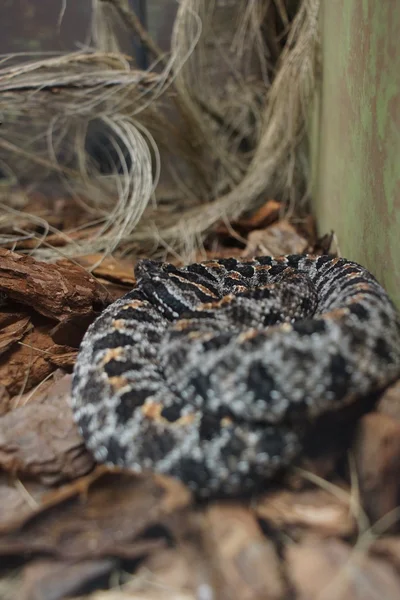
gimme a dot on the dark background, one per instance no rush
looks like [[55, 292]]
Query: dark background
[[32, 25]]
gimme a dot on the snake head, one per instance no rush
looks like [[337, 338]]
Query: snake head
[[148, 269]]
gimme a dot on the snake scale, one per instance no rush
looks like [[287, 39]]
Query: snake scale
[[210, 372]]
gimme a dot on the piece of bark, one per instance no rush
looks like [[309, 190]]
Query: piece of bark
[[41, 440], [103, 514], [58, 291]]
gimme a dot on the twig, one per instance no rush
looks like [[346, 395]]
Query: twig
[[131, 19]]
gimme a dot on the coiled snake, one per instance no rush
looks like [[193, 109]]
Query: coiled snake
[[208, 372]]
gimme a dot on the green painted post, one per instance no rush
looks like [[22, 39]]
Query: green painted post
[[356, 154]]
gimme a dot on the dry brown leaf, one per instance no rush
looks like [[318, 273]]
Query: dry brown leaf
[[276, 240], [377, 455], [41, 440], [50, 204], [262, 217], [13, 326], [323, 245], [167, 574], [332, 570], [30, 361], [103, 514], [58, 291], [55, 580], [307, 227], [4, 399], [389, 402], [247, 562], [18, 498], [112, 269], [389, 549], [45, 391], [218, 252], [64, 361], [56, 240], [316, 509]]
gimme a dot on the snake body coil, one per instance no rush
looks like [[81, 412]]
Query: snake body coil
[[209, 372]]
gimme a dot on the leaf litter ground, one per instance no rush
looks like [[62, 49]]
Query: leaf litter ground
[[68, 527]]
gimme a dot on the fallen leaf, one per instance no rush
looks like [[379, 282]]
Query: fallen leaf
[[55, 580], [262, 217], [316, 509], [56, 240], [4, 399], [103, 514], [13, 326], [18, 498], [332, 570], [168, 574], [110, 268], [323, 245], [276, 240], [247, 561], [389, 402], [388, 548], [41, 440], [32, 359], [377, 458], [219, 252], [265, 215], [49, 390], [63, 361]]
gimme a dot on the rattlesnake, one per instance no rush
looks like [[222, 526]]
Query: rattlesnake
[[211, 372]]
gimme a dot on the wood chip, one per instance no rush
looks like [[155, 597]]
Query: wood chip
[[58, 291]]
